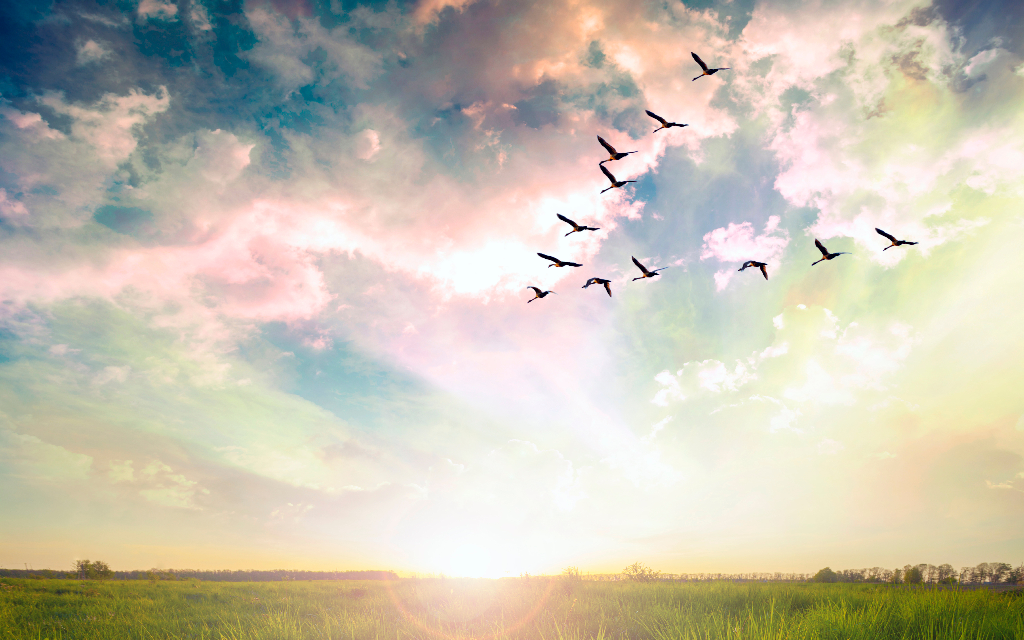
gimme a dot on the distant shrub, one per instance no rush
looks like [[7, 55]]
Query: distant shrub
[[639, 572]]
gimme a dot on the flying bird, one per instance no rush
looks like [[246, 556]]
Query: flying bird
[[647, 273], [607, 284], [825, 255], [665, 124], [538, 294], [575, 227], [558, 263], [615, 155], [707, 72], [615, 183], [754, 263], [894, 241]]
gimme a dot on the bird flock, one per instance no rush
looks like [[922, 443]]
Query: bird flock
[[613, 155]]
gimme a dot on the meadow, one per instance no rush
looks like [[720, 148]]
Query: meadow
[[512, 609]]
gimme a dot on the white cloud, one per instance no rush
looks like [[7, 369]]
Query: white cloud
[[157, 9], [91, 51], [220, 156], [109, 125], [737, 243], [367, 144], [169, 489]]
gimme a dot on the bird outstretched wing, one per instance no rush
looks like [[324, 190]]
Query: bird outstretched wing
[[663, 122], [821, 247], [547, 257], [538, 291], [882, 233], [640, 266], [604, 143], [608, 288], [571, 264], [564, 219], [699, 61], [609, 174], [764, 271]]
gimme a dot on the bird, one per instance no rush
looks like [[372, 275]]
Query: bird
[[607, 284], [538, 294], [558, 263], [615, 155], [615, 183], [647, 274], [754, 263], [575, 227], [665, 124], [894, 241], [707, 72], [825, 255]]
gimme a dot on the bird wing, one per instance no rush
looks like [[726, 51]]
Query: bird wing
[[564, 219], [641, 267], [572, 264], [608, 288], [764, 271], [590, 282], [609, 174], [699, 61], [604, 143], [748, 263], [882, 233], [538, 291], [821, 247], [547, 257], [663, 122]]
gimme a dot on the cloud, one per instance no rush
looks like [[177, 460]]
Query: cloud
[[91, 51], [157, 10], [737, 243]]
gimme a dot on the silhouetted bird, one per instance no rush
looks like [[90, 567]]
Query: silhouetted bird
[[607, 284], [558, 263], [647, 273], [707, 72], [575, 227], [615, 155], [753, 263], [615, 183], [894, 241], [825, 255], [538, 294], [665, 124]]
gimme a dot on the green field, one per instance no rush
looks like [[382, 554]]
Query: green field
[[552, 609]]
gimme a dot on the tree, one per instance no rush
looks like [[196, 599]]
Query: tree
[[945, 574], [86, 570], [639, 572], [912, 575], [826, 575], [999, 571]]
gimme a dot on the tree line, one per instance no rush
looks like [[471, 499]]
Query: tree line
[[984, 573], [98, 570]]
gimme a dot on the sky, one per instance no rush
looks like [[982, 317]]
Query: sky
[[263, 270]]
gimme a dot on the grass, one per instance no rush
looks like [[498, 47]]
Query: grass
[[514, 609]]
